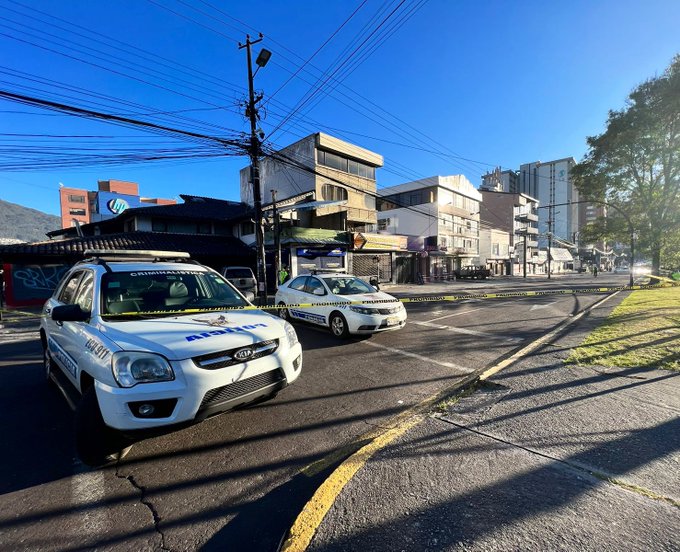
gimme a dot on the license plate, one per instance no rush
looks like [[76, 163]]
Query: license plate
[[392, 320]]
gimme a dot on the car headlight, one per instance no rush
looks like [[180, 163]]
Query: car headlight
[[131, 368], [290, 334], [364, 310]]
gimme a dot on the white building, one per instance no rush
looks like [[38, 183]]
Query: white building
[[551, 184], [440, 214]]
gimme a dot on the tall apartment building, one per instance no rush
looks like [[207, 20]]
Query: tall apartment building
[[111, 198], [335, 170], [441, 216], [551, 184]]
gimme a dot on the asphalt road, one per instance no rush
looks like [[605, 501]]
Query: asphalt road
[[234, 482]]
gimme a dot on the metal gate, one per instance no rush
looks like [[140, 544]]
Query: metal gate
[[366, 265], [404, 269]]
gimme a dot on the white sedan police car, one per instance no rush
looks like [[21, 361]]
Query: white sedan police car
[[342, 302], [143, 342]]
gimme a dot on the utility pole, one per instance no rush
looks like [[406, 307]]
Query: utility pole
[[277, 239], [549, 239], [254, 152], [526, 232]]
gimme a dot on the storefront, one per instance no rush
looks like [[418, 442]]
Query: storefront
[[384, 256]]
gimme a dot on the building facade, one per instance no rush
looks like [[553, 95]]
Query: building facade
[[111, 198], [335, 170], [517, 215], [551, 184], [500, 181], [440, 215]]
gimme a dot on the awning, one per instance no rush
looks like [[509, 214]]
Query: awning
[[562, 255]]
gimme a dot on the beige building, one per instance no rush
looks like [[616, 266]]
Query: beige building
[[335, 170], [494, 250]]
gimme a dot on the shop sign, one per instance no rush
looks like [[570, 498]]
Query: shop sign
[[380, 241]]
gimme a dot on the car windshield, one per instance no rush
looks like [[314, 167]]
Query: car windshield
[[158, 291], [239, 273], [347, 285]]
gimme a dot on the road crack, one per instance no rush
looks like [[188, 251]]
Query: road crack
[[143, 500]]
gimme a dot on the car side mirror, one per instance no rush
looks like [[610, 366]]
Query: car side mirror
[[69, 313], [374, 282], [318, 291]]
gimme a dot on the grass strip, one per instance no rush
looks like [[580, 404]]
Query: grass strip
[[643, 331]]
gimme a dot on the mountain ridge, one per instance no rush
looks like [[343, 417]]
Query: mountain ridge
[[24, 223]]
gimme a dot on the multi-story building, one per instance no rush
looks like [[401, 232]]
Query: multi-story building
[[500, 181], [440, 214], [551, 184], [517, 215], [494, 250], [335, 170], [110, 199]]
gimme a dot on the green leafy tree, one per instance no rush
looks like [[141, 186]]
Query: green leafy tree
[[635, 165]]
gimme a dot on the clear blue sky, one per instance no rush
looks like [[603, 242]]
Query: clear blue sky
[[497, 82]]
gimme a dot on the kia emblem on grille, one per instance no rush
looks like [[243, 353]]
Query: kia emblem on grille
[[243, 354]]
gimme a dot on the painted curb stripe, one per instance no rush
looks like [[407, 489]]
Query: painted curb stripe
[[305, 526]]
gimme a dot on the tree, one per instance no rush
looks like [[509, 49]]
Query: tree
[[635, 165]]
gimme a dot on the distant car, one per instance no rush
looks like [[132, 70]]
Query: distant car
[[473, 272], [243, 279], [641, 269], [377, 312], [621, 270], [144, 341]]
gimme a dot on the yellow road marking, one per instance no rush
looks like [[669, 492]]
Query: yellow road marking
[[306, 524]]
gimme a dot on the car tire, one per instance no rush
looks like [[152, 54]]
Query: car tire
[[48, 365], [96, 443], [283, 312], [338, 326]]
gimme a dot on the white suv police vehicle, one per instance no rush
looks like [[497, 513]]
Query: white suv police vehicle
[[145, 342]]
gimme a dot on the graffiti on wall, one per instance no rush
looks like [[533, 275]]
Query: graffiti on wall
[[31, 284]]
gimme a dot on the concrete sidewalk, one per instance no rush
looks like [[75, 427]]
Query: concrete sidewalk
[[20, 321], [543, 456]]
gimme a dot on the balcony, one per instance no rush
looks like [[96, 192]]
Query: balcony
[[526, 217], [530, 230]]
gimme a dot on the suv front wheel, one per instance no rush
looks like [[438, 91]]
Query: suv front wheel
[[96, 443]]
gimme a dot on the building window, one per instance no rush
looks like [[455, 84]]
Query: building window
[[130, 225], [203, 228], [159, 225], [335, 161], [80, 212], [247, 228], [329, 192], [76, 198], [383, 224]]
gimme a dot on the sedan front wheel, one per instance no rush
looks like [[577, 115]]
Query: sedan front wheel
[[338, 326]]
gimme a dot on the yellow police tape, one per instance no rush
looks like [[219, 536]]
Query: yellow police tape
[[420, 299]]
